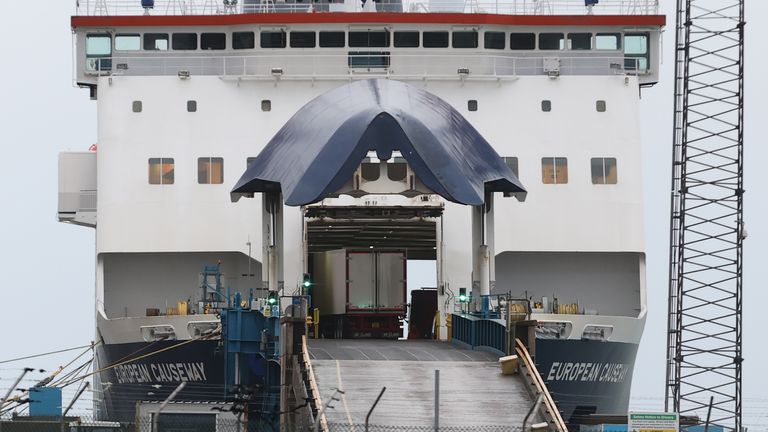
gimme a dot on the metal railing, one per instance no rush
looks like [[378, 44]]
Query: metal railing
[[365, 65], [506, 7]]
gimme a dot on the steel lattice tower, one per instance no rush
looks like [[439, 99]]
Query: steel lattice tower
[[705, 291]]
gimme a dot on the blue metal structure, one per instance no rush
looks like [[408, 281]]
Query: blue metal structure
[[476, 332], [45, 401]]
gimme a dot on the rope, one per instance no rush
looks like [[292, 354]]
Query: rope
[[45, 354]]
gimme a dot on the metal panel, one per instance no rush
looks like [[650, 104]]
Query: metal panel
[[361, 285], [391, 279]]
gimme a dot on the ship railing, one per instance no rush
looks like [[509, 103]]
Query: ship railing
[[504, 7], [364, 65]]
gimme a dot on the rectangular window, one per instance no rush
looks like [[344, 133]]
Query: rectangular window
[[303, 39], [580, 41], [464, 39], [273, 39], [210, 170], [213, 41], [160, 170], [494, 40], [156, 41], [184, 41], [604, 171], [551, 41], [511, 162], [434, 39], [369, 39], [98, 45], [522, 41], [636, 49], [368, 59], [243, 40], [608, 41], [127, 42], [554, 170], [332, 39], [406, 39]]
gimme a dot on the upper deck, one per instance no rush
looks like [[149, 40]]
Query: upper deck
[[235, 7]]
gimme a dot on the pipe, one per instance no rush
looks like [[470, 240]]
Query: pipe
[[170, 397], [13, 387], [368, 416], [539, 399]]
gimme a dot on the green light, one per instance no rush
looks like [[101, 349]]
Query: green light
[[272, 300], [307, 283], [462, 298]]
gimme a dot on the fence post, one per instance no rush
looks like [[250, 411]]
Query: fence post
[[437, 400], [368, 416]]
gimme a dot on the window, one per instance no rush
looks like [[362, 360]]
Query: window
[[248, 161], [191, 106], [604, 171], [554, 170], [303, 39], [580, 41], [464, 39], [406, 39], [607, 41], [369, 39], [511, 162], [136, 106], [551, 41], [266, 105], [210, 170], [434, 39], [156, 41], [243, 40], [494, 40], [636, 51], [397, 170], [370, 171], [522, 41], [127, 42], [98, 49], [600, 106], [184, 41], [332, 39], [160, 170], [213, 41], [368, 59], [273, 39], [546, 105], [472, 105]]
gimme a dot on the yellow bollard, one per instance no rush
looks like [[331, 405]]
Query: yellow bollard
[[437, 325], [316, 322], [448, 321]]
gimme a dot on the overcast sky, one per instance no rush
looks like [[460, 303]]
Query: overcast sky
[[47, 267]]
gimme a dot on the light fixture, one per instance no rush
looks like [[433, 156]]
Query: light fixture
[[183, 74], [277, 72]]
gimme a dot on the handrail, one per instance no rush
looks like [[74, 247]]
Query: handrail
[[541, 387], [508, 7], [313, 383]]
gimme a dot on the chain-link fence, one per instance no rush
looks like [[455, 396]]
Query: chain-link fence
[[348, 427]]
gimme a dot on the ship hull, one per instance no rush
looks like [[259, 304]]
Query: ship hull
[[157, 370], [587, 377]]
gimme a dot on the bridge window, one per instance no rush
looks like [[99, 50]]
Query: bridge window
[[546, 105], [243, 40], [604, 171], [608, 41], [184, 41], [472, 105], [161, 170], [600, 106], [511, 162], [210, 170], [156, 41], [434, 39], [551, 41], [332, 39], [266, 105], [494, 40], [368, 59], [636, 50], [580, 41], [191, 106], [522, 41], [303, 39], [98, 49], [464, 39], [554, 170], [127, 42], [213, 41], [406, 39], [136, 106], [369, 39], [273, 39]]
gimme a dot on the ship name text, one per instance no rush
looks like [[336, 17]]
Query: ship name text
[[160, 372], [594, 372]]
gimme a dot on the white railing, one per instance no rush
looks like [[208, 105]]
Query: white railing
[[350, 66], [506, 7]]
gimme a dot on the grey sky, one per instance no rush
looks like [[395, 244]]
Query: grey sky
[[47, 281]]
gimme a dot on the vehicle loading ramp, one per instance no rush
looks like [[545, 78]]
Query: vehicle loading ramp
[[473, 392]]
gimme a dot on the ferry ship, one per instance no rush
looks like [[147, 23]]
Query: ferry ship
[[191, 93]]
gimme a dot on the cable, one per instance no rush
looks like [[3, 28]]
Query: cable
[[45, 354]]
